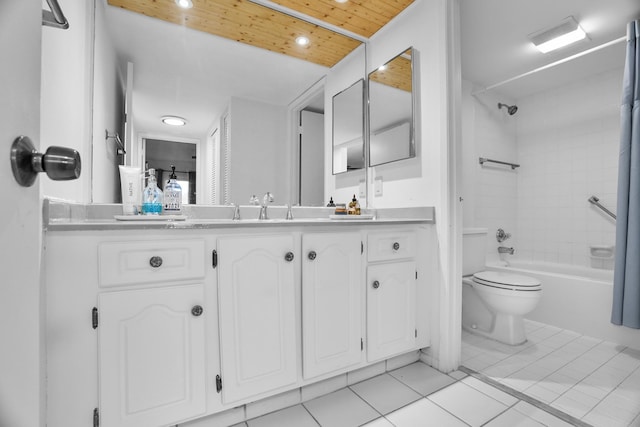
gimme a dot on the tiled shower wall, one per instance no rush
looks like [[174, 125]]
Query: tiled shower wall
[[567, 144], [566, 141]]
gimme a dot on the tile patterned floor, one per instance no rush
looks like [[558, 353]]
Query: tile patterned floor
[[413, 396], [595, 381]]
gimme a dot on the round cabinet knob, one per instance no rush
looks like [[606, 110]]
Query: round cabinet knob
[[197, 310], [312, 255], [289, 256], [376, 284], [155, 261], [396, 246]]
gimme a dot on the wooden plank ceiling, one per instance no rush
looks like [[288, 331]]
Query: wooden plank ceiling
[[251, 23], [396, 73]]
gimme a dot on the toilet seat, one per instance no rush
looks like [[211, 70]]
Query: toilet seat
[[507, 281]]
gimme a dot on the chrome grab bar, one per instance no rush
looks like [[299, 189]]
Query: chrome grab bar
[[482, 160], [54, 18], [595, 201]]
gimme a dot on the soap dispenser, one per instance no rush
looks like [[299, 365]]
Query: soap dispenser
[[172, 195], [354, 206], [152, 196]]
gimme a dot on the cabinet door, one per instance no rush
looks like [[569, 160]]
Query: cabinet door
[[152, 356], [331, 302], [257, 314], [391, 325]]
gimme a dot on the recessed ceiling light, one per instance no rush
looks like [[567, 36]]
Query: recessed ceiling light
[[382, 67], [174, 121], [302, 40], [341, 1], [185, 4], [565, 33]]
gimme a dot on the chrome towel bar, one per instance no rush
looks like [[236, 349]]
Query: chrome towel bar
[[54, 18], [595, 201], [482, 160]]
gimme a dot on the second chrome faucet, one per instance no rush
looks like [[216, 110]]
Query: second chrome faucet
[[268, 198]]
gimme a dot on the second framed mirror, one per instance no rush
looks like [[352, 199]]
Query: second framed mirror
[[392, 110]]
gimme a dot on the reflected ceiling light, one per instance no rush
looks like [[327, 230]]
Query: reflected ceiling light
[[174, 121], [185, 4], [560, 35], [302, 40]]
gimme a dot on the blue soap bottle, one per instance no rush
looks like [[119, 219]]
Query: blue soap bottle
[[152, 196]]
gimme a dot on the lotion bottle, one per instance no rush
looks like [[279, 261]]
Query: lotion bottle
[[172, 195]]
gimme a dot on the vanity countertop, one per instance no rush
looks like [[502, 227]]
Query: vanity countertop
[[64, 216]]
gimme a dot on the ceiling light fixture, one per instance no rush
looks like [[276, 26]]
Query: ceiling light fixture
[[302, 40], [341, 1], [174, 121], [185, 4], [565, 33]]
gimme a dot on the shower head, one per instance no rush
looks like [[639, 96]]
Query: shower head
[[511, 109]]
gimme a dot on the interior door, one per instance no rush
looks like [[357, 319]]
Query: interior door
[[311, 159], [21, 308]]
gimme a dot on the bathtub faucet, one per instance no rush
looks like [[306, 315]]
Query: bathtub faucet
[[505, 250]]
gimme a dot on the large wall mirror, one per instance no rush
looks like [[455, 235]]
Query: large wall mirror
[[392, 110], [213, 82], [348, 129]]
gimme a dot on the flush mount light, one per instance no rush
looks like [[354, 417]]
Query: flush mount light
[[302, 40], [174, 121], [341, 1], [185, 4], [382, 67], [563, 34]]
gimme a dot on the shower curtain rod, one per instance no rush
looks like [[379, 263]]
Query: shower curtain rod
[[553, 64]]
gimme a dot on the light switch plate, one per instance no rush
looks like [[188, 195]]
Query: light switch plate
[[377, 186]]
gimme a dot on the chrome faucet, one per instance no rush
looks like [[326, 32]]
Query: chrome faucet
[[268, 198], [505, 250]]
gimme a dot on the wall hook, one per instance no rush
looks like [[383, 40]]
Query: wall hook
[[116, 138], [60, 163]]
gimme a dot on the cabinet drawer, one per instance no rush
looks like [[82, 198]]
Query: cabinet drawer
[[391, 245], [121, 263]]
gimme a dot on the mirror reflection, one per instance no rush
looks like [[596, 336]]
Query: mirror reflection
[[162, 155], [237, 100], [348, 129], [391, 110]]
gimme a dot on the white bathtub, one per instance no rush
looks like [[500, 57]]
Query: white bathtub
[[574, 298]]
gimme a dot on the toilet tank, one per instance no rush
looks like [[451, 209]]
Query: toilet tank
[[474, 247]]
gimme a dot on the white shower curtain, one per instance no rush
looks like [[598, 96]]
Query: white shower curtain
[[626, 286]]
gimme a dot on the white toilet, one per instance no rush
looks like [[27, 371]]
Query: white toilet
[[494, 303]]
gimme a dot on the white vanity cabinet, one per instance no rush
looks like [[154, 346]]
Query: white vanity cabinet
[[332, 284], [152, 356], [151, 327], [391, 294], [257, 311]]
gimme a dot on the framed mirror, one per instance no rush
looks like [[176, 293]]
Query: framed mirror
[[348, 128], [392, 110]]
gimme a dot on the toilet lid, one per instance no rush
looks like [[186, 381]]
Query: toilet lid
[[506, 280]]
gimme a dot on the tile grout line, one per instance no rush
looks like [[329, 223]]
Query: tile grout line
[[521, 396]]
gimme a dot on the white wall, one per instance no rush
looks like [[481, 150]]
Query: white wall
[[108, 113], [568, 141], [489, 191], [258, 134], [66, 95]]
